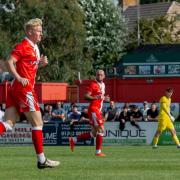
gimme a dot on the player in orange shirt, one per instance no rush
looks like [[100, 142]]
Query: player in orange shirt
[[23, 64], [96, 95]]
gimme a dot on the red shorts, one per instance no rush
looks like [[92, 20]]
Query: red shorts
[[23, 101], [95, 117]]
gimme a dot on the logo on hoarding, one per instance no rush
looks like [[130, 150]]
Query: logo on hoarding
[[50, 134], [125, 133]]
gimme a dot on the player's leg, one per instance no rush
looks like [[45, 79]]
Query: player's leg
[[99, 140], [156, 138], [161, 127], [171, 128], [11, 117], [37, 137], [82, 136]]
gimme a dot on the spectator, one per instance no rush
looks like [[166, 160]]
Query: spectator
[[47, 113], [74, 116], [84, 115], [152, 113], [70, 109], [144, 110], [124, 117], [58, 115], [135, 116], [112, 112]]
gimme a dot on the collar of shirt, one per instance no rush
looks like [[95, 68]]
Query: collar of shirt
[[36, 49]]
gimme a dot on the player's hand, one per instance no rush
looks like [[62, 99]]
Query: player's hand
[[43, 60], [172, 118], [99, 97], [23, 81]]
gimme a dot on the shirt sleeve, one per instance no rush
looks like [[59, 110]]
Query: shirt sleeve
[[90, 88], [17, 52], [163, 100]]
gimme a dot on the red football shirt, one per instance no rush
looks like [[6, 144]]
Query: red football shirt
[[27, 56], [95, 89]]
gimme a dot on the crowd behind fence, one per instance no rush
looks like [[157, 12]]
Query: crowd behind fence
[[112, 112]]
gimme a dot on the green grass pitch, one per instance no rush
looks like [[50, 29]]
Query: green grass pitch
[[121, 163]]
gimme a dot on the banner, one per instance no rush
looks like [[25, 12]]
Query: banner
[[53, 134], [78, 129], [58, 134], [130, 135], [21, 134]]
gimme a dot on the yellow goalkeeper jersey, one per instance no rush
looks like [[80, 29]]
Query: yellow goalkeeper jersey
[[164, 107]]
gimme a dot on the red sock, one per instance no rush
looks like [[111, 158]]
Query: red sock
[[99, 141], [2, 128], [84, 136], [37, 138]]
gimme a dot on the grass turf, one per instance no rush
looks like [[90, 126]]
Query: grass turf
[[121, 163]]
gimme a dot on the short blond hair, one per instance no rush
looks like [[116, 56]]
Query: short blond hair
[[32, 23]]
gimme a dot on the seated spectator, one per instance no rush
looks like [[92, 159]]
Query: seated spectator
[[70, 109], [84, 115], [75, 115], [58, 115], [124, 117], [47, 113], [111, 113], [135, 115], [152, 113], [144, 110]]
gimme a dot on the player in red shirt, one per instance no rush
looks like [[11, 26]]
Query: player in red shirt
[[23, 64], [96, 95]]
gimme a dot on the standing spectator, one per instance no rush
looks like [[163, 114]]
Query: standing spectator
[[47, 113], [58, 115], [135, 116], [152, 113], [144, 110], [124, 117], [111, 113], [23, 63], [96, 95], [84, 115]]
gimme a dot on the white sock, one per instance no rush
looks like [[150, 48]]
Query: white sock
[[41, 157], [98, 151]]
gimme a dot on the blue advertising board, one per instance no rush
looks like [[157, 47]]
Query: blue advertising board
[[58, 133]]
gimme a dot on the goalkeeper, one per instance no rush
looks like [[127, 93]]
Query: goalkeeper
[[165, 119]]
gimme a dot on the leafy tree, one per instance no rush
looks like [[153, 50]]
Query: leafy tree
[[160, 30], [106, 32], [64, 35]]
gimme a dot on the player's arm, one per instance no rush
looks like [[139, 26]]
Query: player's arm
[[89, 97], [164, 108], [11, 67]]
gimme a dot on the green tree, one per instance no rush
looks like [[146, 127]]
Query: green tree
[[106, 32], [64, 35], [161, 30]]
